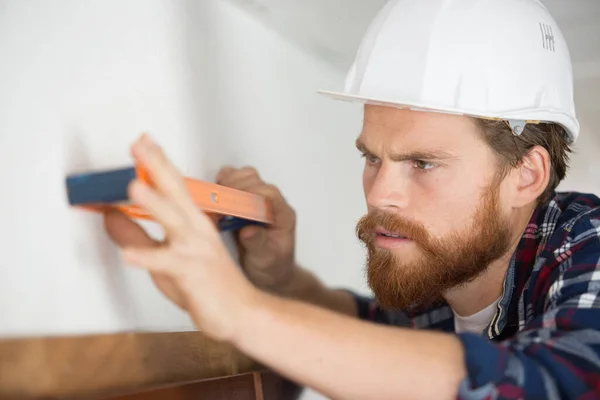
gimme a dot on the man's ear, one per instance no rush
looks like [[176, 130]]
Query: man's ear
[[532, 176]]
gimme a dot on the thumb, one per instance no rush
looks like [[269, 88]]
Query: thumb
[[253, 238]]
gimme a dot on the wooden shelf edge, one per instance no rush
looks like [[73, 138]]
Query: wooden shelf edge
[[106, 365]]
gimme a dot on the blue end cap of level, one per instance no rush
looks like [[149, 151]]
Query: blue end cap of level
[[99, 187], [229, 223]]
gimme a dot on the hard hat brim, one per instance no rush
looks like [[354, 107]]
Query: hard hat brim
[[571, 126]]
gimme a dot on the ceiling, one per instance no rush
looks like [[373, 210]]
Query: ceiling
[[332, 29]]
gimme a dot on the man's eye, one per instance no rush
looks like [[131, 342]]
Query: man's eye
[[370, 159], [420, 164]]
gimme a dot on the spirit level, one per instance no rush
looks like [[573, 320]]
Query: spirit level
[[231, 209]]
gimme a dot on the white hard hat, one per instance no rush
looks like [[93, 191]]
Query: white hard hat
[[503, 59]]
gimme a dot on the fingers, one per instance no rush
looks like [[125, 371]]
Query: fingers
[[249, 180], [252, 237], [167, 179], [245, 184], [238, 178], [170, 185], [156, 260], [280, 206], [171, 218], [224, 172], [125, 232]]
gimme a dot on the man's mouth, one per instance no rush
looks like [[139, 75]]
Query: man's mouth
[[385, 233], [390, 240], [392, 235]]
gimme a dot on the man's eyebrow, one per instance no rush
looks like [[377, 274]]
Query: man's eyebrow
[[361, 147], [432, 155], [414, 155]]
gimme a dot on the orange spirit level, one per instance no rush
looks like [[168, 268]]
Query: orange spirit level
[[230, 208]]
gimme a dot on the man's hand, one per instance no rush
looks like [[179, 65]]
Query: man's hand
[[192, 267], [266, 253]]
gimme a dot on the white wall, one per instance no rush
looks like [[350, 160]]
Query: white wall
[[585, 164], [80, 80]]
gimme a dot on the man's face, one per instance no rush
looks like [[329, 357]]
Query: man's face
[[436, 215]]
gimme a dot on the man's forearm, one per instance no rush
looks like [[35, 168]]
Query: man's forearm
[[305, 286], [346, 358]]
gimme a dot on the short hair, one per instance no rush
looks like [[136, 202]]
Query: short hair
[[511, 149]]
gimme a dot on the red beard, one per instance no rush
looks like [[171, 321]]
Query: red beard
[[441, 263]]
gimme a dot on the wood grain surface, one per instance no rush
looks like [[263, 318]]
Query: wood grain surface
[[263, 385], [105, 365]]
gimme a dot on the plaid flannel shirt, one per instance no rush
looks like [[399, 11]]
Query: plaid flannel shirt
[[544, 339]]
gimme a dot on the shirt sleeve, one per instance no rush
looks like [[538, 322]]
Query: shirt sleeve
[[557, 355]]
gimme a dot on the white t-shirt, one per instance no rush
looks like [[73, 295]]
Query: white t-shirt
[[476, 322]]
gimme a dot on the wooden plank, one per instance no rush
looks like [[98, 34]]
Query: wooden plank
[[103, 365], [275, 387], [238, 387], [249, 386], [258, 387]]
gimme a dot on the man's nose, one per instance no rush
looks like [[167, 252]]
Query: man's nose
[[388, 190]]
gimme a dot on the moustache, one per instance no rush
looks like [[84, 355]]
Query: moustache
[[368, 225]]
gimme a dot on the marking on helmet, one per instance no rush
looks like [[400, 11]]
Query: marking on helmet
[[547, 37]]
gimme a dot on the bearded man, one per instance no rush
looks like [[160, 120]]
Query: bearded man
[[485, 278]]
